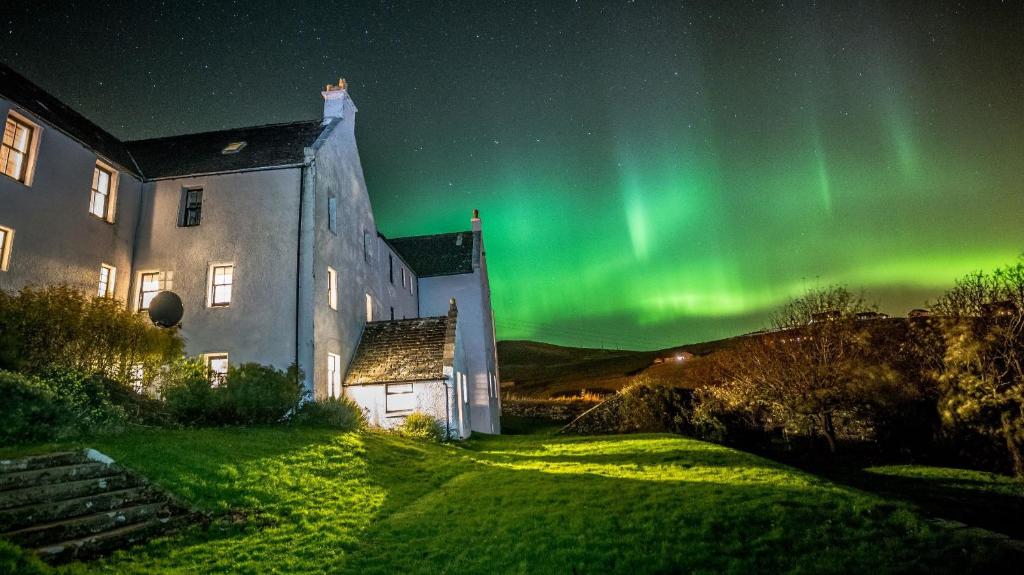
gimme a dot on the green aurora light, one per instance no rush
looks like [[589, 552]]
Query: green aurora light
[[649, 173]]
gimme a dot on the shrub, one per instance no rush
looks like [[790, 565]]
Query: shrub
[[262, 394], [339, 413], [422, 426], [60, 326], [64, 404], [251, 394], [188, 394]]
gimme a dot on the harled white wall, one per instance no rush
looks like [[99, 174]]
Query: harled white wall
[[56, 239]]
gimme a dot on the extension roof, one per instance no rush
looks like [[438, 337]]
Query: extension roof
[[273, 145], [437, 255], [400, 350], [269, 146], [17, 89]]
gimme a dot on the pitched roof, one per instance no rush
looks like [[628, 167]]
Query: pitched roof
[[400, 350], [437, 255], [18, 89], [268, 146]]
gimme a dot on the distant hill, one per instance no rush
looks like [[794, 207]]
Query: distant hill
[[540, 369]]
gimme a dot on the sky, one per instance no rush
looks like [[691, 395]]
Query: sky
[[648, 173]]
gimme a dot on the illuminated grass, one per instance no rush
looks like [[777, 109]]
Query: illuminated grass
[[317, 501]]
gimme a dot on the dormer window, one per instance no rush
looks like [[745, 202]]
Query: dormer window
[[233, 148]]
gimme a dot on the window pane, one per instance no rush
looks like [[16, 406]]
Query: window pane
[[222, 294], [102, 181], [98, 205], [22, 137], [9, 129]]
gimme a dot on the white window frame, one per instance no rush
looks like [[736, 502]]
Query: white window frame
[[6, 243], [142, 304], [31, 153], [220, 377], [106, 286], [369, 308], [332, 288], [401, 393], [110, 197], [333, 375], [211, 286]]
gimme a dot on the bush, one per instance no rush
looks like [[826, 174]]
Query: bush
[[339, 413], [262, 394], [60, 326], [252, 394], [189, 396], [61, 405], [422, 426], [643, 406]]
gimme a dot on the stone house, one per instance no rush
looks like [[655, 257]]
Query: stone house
[[266, 233]]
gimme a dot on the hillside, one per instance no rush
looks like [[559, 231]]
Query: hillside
[[322, 501], [540, 369]]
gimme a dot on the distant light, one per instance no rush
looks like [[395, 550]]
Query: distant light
[[679, 358]]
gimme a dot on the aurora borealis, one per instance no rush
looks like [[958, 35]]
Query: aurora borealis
[[649, 173]]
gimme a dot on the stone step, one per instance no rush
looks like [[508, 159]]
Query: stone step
[[66, 490], [27, 515], [42, 461], [49, 475], [44, 534], [101, 543]]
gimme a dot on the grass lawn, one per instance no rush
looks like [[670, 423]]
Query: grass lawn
[[319, 501]]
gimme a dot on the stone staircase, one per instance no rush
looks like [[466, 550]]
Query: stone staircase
[[80, 505]]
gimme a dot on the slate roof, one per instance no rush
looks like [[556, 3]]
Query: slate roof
[[267, 146], [18, 89], [400, 350], [437, 255]]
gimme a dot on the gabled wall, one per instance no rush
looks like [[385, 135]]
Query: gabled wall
[[361, 270], [468, 291]]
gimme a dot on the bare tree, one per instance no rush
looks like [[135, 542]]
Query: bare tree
[[812, 373]]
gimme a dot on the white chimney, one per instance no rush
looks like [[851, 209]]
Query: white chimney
[[476, 221], [337, 102]]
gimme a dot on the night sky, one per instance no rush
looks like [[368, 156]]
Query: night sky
[[649, 173]]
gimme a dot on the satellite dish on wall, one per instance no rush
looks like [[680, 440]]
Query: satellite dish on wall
[[166, 309]]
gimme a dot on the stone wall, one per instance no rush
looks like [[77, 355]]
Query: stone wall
[[539, 409]]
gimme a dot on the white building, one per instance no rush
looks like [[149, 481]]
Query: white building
[[267, 235]]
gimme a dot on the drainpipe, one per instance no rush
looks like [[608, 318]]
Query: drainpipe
[[447, 411], [304, 352]]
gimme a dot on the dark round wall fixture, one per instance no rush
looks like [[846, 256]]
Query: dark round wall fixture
[[165, 310]]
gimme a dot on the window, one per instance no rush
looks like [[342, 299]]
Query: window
[[149, 286], [332, 214], [366, 247], [369, 308], [6, 241], [392, 313], [107, 276], [399, 397], [332, 288], [217, 368], [333, 375], [233, 148], [101, 198], [462, 381], [404, 279], [191, 207], [15, 148], [221, 280], [391, 269]]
